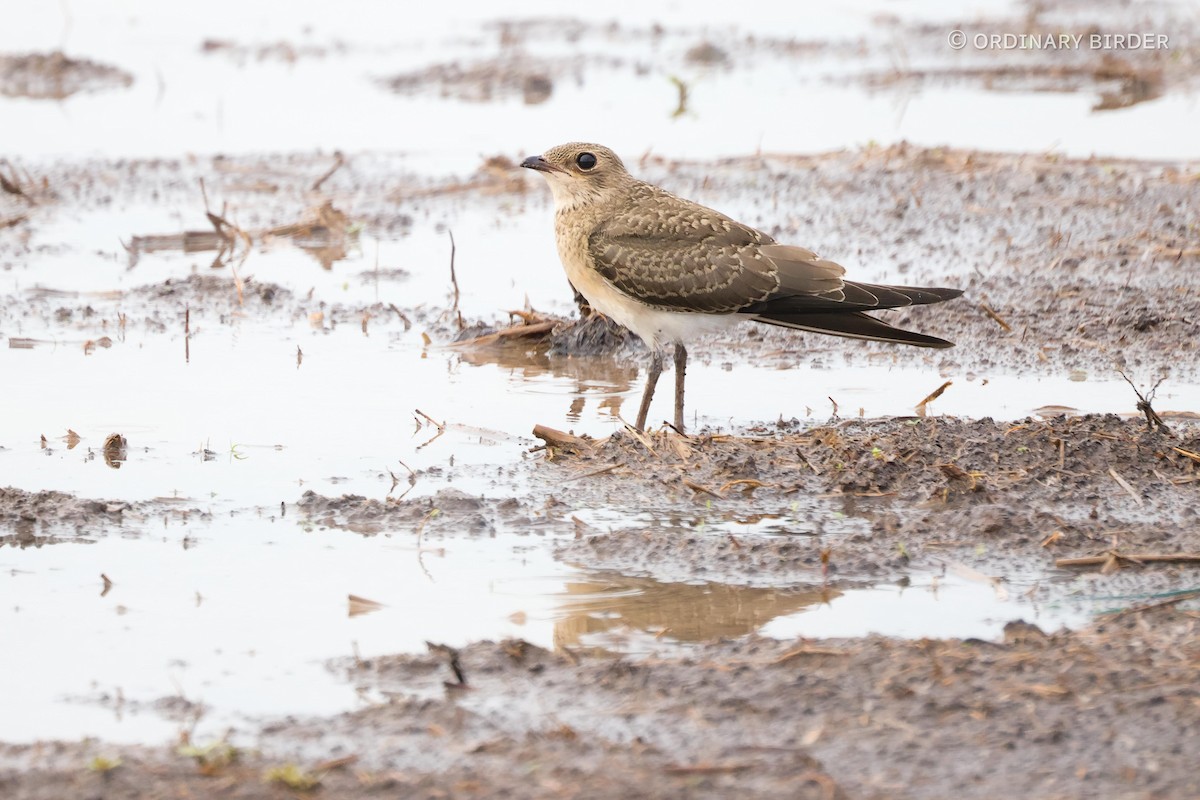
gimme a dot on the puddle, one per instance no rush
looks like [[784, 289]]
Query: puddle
[[238, 614], [329, 70], [216, 624]]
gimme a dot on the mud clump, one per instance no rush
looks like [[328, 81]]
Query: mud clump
[[26, 513], [707, 54], [45, 517], [594, 334], [55, 76], [554, 336], [204, 289], [448, 512]]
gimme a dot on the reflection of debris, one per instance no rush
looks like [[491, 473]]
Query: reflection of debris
[[1135, 86], [325, 234], [90, 345], [267, 51], [395, 274], [1051, 411], [537, 89], [186, 242], [361, 605], [54, 76], [115, 450], [934, 395], [223, 238]]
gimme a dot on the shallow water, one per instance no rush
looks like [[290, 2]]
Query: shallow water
[[238, 610], [184, 100]]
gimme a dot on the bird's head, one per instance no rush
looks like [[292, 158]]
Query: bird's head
[[581, 173]]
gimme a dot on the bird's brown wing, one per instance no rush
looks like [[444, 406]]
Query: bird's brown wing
[[678, 255]]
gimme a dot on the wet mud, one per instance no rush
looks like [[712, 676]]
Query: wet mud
[[1033, 715], [35, 519], [878, 498]]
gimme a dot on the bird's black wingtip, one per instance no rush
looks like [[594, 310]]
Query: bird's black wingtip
[[926, 295]]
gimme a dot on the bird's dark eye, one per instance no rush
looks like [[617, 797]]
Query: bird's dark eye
[[585, 161]]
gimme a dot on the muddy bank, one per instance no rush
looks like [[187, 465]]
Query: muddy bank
[[835, 506], [1035, 716], [447, 512], [879, 497], [1070, 266]]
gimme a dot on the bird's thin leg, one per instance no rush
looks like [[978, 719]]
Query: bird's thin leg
[[648, 394], [680, 371]]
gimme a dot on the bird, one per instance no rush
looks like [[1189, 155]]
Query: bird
[[670, 270]]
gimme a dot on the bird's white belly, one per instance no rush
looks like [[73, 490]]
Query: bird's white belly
[[655, 326]]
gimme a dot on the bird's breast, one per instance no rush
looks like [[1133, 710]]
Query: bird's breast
[[656, 326]]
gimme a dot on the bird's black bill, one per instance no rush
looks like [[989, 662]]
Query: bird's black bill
[[540, 164]]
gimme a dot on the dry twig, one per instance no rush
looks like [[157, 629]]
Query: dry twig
[[337, 164], [1135, 558], [998, 319], [562, 440], [1125, 485], [1153, 420]]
